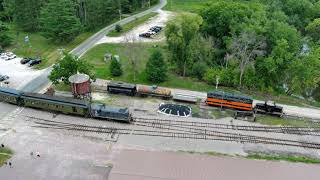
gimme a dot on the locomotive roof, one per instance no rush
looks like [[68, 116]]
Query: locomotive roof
[[12, 92], [57, 99], [103, 107], [121, 84], [230, 95]]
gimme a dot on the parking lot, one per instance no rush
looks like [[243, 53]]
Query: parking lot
[[19, 74]]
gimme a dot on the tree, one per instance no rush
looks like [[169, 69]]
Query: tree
[[179, 33], [26, 14], [118, 28], [313, 29], [304, 74], [58, 21], [156, 68], [68, 66], [115, 67], [5, 39], [245, 48]]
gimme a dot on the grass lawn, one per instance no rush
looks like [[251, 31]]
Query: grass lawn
[[131, 25], [5, 154], [270, 120], [289, 158], [269, 157], [95, 57], [40, 46], [186, 5]]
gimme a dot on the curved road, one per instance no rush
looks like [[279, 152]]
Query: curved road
[[42, 80]]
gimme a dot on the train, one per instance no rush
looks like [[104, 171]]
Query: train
[[65, 105], [229, 100], [242, 104], [138, 90]]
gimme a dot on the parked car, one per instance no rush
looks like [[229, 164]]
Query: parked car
[[34, 62], [156, 29], [25, 60], [146, 35], [3, 78]]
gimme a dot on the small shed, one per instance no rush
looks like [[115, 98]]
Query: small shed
[[107, 57]]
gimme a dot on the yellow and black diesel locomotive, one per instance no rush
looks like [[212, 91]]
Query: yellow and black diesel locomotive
[[228, 100]]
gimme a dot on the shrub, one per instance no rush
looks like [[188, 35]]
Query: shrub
[[118, 28], [115, 67]]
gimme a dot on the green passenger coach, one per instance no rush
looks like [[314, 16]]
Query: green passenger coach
[[11, 96], [57, 104]]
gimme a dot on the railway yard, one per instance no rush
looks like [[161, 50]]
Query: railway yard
[[112, 130], [92, 146]]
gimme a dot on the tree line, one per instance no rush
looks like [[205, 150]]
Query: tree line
[[266, 45], [63, 20]]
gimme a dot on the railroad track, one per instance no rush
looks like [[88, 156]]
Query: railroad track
[[173, 132], [210, 126]]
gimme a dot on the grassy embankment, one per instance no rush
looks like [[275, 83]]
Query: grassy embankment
[[5, 154], [131, 25], [40, 46], [260, 156], [186, 5]]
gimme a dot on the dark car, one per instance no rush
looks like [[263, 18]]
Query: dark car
[[3, 78], [34, 62], [146, 35], [25, 60], [156, 29]]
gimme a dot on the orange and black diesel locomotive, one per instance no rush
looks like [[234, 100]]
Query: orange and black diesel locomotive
[[228, 100]]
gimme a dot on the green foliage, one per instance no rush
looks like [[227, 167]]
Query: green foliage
[[5, 154], [58, 21], [289, 158], [180, 32], [115, 67], [5, 39], [156, 68], [26, 14], [118, 28], [199, 69], [68, 66], [313, 29]]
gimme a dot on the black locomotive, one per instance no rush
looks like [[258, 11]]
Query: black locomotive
[[64, 105], [269, 107]]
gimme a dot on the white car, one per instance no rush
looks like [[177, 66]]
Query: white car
[[4, 57]]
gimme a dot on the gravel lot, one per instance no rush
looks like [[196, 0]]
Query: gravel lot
[[19, 74], [133, 35]]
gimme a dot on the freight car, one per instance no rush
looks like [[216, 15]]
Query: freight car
[[229, 100], [139, 90], [269, 107], [65, 105], [122, 88], [154, 91]]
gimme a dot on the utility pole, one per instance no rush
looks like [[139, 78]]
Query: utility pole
[[120, 13]]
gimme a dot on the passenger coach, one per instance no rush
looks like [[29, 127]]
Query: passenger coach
[[229, 100], [10, 96]]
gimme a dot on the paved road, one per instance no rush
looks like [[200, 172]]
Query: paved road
[[42, 80]]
